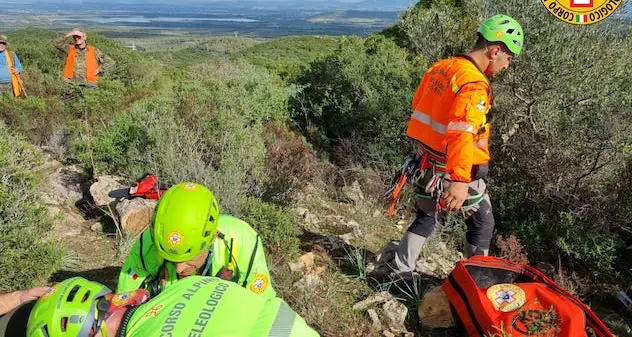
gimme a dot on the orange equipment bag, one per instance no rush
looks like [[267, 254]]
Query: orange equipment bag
[[497, 297]]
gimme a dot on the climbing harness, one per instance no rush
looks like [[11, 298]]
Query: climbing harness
[[414, 170]]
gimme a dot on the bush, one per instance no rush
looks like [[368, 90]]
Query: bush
[[435, 29], [118, 148], [360, 95], [209, 129], [251, 91], [290, 164], [26, 259], [275, 224], [32, 117], [594, 248], [289, 56]]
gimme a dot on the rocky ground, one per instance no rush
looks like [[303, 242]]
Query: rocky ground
[[98, 230]]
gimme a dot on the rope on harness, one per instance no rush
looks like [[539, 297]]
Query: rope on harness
[[407, 172], [414, 169]]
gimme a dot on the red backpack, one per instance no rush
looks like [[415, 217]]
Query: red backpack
[[494, 297]]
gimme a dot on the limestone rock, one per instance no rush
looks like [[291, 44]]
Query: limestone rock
[[100, 189], [376, 298], [135, 214], [434, 310]]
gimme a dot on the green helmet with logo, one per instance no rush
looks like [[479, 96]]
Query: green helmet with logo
[[505, 29], [185, 222], [69, 309]]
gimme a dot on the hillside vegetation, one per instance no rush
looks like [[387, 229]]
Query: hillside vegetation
[[292, 123]]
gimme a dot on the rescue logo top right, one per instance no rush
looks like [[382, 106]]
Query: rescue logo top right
[[581, 12]]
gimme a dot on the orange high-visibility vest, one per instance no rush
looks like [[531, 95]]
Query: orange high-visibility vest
[[91, 64], [449, 114], [16, 81]]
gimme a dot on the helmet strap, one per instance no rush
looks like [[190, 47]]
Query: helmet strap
[[104, 329], [207, 265], [111, 303], [101, 306]]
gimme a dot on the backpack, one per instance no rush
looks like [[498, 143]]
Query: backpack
[[495, 297]]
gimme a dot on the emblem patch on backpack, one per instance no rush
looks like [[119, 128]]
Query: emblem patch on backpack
[[506, 297]]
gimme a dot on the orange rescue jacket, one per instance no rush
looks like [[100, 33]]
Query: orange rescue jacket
[[92, 65], [449, 114]]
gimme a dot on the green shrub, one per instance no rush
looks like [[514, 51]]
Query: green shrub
[[32, 117], [97, 106], [197, 132], [289, 56], [275, 224], [583, 243], [596, 249], [434, 29], [26, 258], [245, 89], [118, 148], [358, 100]]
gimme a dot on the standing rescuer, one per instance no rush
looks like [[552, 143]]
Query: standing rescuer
[[450, 126], [84, 62]]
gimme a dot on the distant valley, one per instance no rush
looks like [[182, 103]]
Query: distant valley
[[252, 19]]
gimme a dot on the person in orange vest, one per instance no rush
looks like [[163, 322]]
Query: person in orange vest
[[451, 128], [84, 62], [10, 69]]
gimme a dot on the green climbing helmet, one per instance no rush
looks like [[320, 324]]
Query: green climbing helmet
[[505, 29], [69, 309], [185, 222]]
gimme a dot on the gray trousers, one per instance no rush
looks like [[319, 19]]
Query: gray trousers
[[480, 226]]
